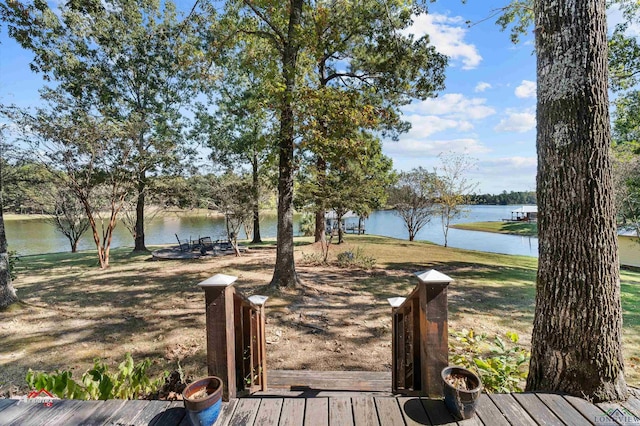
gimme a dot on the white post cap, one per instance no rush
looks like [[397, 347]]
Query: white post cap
[[396, 302], [218, 280], [258, 300], [432, 277]]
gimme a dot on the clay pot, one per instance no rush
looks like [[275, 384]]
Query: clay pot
[[203, 401]]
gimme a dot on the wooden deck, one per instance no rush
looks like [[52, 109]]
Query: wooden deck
[[295, 401]]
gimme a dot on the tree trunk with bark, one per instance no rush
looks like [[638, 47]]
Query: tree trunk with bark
[[576, 341], [139, 228], [7, 292], [321, 166], [284, 274], [256, 201]]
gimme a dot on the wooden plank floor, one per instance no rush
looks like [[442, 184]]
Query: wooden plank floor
[[315, 399]]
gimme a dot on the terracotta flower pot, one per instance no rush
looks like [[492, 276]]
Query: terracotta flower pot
[[462, 389], [203, 401]]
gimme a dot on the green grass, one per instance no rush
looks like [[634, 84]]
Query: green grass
[[514, 228], [140, 305]]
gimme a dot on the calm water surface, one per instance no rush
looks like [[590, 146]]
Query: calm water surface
[[38, 236]]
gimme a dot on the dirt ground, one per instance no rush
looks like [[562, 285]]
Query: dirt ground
[[338, 320]]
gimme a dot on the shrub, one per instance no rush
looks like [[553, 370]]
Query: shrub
[[312, 259], [503, 369], [130, 382], [358, 259]]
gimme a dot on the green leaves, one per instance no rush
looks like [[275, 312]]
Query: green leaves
[[131, 381], [501, 366]]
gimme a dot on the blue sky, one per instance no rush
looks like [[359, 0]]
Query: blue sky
[[487, 109]]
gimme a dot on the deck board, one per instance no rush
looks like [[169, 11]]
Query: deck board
[[413, 411], [173, 415], [389, 412], [316, 412], [561, 408], [489, 413], [245, 412], [515, 414], [538, 411], [340, 413], [364, 411], [4, 403], [268, 412], [633, 405], [292, 412], [358, 381], [437, 412], [588, 410]]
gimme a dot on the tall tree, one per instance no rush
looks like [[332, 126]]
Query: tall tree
[[69, 216], [358, 183], [89, 155], [412, 198], [7, 292], [131, 58], [240, 131], [385, 64], [577, 334], [386, 70], [453, 187]]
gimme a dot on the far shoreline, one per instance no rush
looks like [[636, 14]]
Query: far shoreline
[[526, 229]]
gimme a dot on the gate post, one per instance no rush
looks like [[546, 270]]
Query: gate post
[[434, 330], [221, 348]]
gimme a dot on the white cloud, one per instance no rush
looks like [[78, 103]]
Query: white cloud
[[506, 173], [447, 35], [423, 126], [453, 105], [482, 86], [500, 165], [526, 89], [414, 147], [517, 122]]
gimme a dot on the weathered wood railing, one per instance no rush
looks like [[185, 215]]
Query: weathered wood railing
[[236, 346], [420, 336]]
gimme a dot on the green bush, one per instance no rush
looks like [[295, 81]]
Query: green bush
[[307, 225], [503, 369], [358, 259], [131, 381]]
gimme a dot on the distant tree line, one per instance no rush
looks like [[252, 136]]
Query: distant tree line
[[505, 198]]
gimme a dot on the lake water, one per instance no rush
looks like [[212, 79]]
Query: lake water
[[38, 236]]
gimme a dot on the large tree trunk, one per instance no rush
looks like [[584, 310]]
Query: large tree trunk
[[139, 229], [256, 201], [576, 341], [321, 167], [284, 274], [7, 292]]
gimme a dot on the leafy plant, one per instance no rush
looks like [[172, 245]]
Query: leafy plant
[[503, 369], [355, 258], [130, 382]]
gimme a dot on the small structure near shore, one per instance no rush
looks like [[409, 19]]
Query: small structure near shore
[[525, 214]]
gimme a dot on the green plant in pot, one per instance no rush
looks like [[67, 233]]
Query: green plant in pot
[[462, 389], [203, 401]]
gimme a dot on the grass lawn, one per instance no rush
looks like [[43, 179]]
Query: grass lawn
[[340, 319], [515, 228]]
